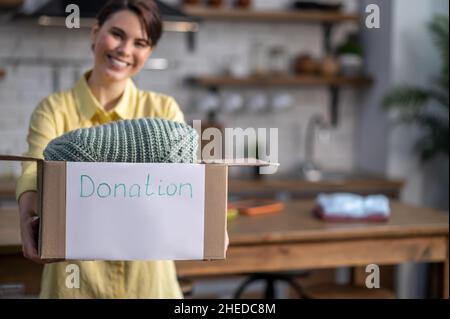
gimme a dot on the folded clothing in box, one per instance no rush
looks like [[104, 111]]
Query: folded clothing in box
[[146, 140], [345, 206]]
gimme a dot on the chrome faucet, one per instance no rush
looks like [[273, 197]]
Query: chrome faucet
[[309, 170]]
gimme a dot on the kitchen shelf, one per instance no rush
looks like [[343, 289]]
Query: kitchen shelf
[[281, 81], [270, 16], [334, 84], [363, 184], [327, 21]]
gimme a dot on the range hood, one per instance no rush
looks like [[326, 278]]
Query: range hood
[[53, 13]]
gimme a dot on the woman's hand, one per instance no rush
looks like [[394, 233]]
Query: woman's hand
[[29, 226]]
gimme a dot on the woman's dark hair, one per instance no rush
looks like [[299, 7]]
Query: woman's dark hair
[[146, 10]]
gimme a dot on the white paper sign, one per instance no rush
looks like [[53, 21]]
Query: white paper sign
[[123, 211]]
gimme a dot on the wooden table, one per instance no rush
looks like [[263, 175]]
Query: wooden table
[[295, 240]]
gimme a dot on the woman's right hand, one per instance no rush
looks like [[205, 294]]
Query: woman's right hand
[[29, 226]]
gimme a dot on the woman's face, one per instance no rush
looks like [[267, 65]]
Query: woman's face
[[121, 46]]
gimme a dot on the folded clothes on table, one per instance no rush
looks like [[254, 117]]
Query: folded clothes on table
[[345, 206]]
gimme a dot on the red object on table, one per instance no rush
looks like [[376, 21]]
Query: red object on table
[[254, 207]]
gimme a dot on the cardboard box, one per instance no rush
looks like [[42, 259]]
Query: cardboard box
[[132, 211]]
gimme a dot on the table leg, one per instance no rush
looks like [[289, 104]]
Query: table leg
[[358, 276], [445, 275]]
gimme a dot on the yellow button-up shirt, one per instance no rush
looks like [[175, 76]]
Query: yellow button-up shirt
[[78, 108]]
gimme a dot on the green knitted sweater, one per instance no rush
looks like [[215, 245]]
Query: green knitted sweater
[[146, 140]]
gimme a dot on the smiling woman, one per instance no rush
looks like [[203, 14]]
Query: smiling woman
[[122, 42], [123, 39]]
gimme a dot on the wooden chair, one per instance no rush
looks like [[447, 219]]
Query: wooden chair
[[270, 279]]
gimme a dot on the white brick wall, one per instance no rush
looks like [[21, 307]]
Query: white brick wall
[[25, 85]]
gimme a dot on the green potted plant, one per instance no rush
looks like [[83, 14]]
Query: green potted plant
[[427, 106], [350, 55]]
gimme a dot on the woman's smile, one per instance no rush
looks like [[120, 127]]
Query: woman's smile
[[118, 63]]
